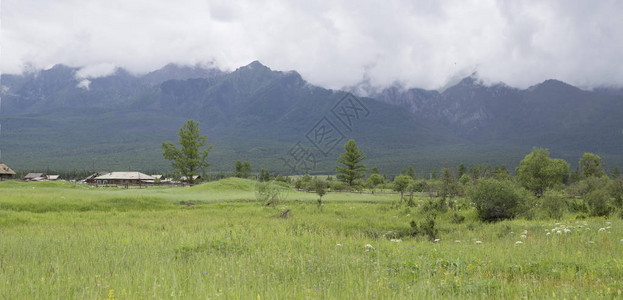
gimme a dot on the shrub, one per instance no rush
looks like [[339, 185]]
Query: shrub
[[338, 186], [538, 172], [434, 206], [427, 227], [587, 185], [554, 204], [496, 199], [597, 202], [616, 191], [320, 187], [270, 192], [457, 219]]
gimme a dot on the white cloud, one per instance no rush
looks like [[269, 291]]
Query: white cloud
[[84, 84], [96, 70], [422, 43]]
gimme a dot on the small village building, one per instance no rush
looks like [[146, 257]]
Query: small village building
[[90, 179], [54, 177], [122, 178], [195, 178], [35, 177], [160, 179], [5, 172]]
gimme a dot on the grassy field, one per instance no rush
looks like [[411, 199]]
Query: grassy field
[[66, 241]]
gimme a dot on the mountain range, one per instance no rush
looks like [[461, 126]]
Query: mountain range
[[54, 119]]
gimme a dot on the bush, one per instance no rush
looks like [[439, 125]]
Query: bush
[[434, 206], [616, 191], [427, 227], [457, 219], [320, 187], [587, 185], [337, 186], [554, 204], [497, 199], [597, 202], [270, 192]]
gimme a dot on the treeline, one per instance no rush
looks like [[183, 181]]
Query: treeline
[[542, 187]]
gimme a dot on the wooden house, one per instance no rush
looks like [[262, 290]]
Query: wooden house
[[35, 177], [196, 178], [5, 172], [54, 177], [122, 178]]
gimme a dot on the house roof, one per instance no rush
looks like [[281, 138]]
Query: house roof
[[4, 170], [34, 175], [195, 177], [92, 176], [124, 176], [54, 177]]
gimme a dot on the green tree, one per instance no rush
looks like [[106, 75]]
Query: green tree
[[434, 174], [538, 172], [320, 187], [597, 202], [374, 170], [448, 187], [411, 172], [501, 173], [475, 172], [554, 204], [188, 159], [351, 159], [616, 191], [401, 183], [462, 170], [374, 180], [465, 179], [496, 199], [264, 176], [242, 169], [615, 172], [590, 165]]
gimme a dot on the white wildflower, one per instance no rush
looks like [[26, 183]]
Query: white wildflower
[[478, 242], [591, 242], [602, 229], [395, 240], [548, 233], [525, 232], [368, 247], [339, 245], [523, 236], [436, 240], [566, 230], [518, 242], [458, 241], [558, 232]]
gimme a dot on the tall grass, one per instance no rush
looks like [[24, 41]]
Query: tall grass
[[105, 243]]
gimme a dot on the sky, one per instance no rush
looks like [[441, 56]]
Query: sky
[[418, 43]]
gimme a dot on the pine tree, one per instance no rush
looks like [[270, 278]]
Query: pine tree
[[351, 159], [187, 160]]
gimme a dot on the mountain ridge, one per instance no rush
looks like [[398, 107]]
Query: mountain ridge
[[257, 113]]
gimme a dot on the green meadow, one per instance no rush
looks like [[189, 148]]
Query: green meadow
[[215, 240]]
